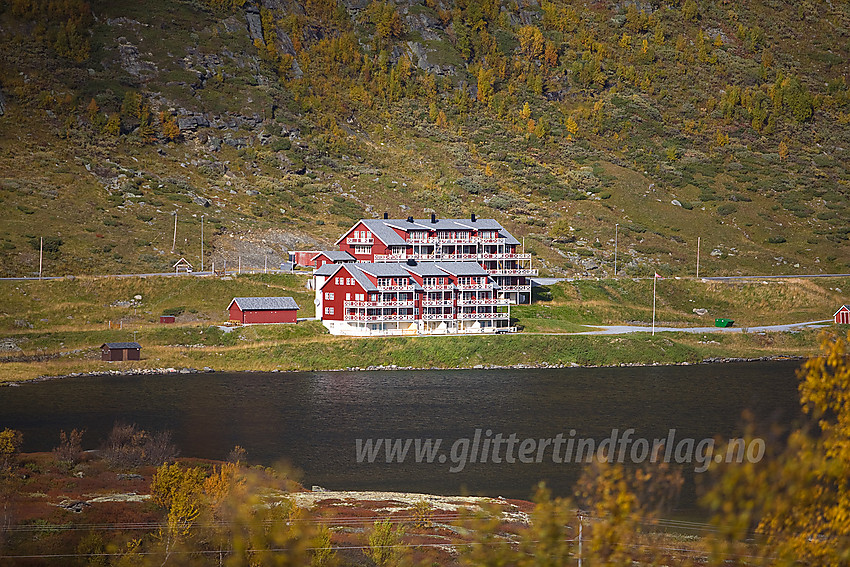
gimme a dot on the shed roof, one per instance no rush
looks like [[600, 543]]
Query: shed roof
[[120, 345], [335, 256], [840, 309], [263, 303], [327, 270]]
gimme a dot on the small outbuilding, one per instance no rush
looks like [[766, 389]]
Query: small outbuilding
[[182, 266], [842, 316], [167, 319], [120, 351], [263, 310]]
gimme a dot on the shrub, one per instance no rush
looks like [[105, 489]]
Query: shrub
[[129, 447], [70, 446], [776, 240], [174, 311], [727, 209]]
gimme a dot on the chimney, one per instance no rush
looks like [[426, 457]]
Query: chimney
[[386, 216], [410, 219], [472, 217], [411, 262], [433, 218]]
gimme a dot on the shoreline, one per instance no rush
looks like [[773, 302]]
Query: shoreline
[[393, 367]]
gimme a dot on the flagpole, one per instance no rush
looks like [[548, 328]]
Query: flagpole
[[654, 277]]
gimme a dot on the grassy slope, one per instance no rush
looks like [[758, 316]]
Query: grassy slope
[[77, 185], [66, 345]]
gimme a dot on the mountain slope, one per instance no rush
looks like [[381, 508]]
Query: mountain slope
[[282, 122]]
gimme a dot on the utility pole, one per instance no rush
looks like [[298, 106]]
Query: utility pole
[[698, 239], [654, 279], [579, 540], [202, 243], [240, 265], [40, 256], [616, 235], [265, 264], [174, 240]]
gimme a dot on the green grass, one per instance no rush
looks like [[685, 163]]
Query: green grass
[[66, 345]]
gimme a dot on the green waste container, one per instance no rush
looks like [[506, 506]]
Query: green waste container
[[723, 322]]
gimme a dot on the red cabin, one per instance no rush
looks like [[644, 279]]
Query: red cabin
[[120, 351], [263, 310], [842, 316]]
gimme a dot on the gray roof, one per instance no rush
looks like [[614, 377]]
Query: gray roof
[[336, 256], [462, 268], [264, 303], [384, 269], [327, 270], [424, 269], [121, 345], [382, 230]]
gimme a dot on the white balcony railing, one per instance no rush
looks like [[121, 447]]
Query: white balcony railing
[[360, 240], [477, 286], [503, 256], [438, 316], [484, 301], [369, 304], [513, 288], [481, 316], [437, 303], [377, 318], [396, 287], [391, 257], [438, 287], [512, 271]]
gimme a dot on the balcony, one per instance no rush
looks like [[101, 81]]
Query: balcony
[[377, 318], [437, 303], [484, 301], [515, 288], [482, 316], [392, 257], [360, 240], [395, 287], [512, 271], [473, 287], [438, 316], [369, 304], [503, 256], [438, 287]]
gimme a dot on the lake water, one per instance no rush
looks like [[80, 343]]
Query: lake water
[[313, 419]]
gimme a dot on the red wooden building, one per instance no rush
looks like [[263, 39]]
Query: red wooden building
[[263, 310], [120, 351], [303, 257], [842, 316]]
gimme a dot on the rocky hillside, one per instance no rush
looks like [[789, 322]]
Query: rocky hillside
[[279, 123]]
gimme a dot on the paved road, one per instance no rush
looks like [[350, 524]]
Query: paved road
[[624, 329], [551, 281], [197, 274]]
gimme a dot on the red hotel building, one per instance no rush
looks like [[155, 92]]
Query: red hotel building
[[483, 241], [409, 298]]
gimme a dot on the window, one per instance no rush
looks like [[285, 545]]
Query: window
[[362, 249], [348, 297], [329, 310], [329, 295], [358, 297], [350, 281]]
